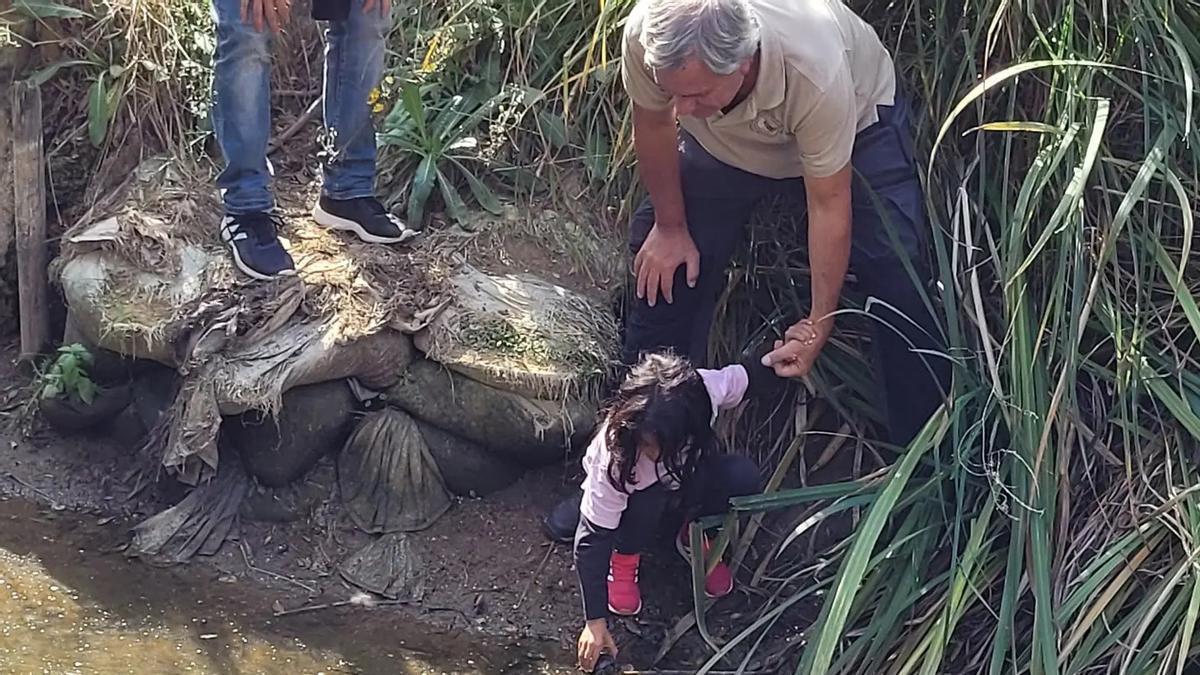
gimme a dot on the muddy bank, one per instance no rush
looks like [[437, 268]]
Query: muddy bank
[[490, 579], [73, 605]]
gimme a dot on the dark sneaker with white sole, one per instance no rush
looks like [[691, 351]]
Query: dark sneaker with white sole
[[253, 238], [365, 217]]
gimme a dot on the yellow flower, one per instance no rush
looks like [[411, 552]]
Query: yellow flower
[[373, 98], [377, 108]]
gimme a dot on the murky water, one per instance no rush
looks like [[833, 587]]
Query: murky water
[[66, 606]]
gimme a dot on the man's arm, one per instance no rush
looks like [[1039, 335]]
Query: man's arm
[[828, 240], [669, 244], [829, 223], [656, 144]]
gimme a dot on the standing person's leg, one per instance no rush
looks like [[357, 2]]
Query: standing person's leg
[[241, 109], [241, 114], [889, 226], [718, 200], [354, 60]]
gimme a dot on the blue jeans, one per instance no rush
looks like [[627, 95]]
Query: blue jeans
[[242, 105]]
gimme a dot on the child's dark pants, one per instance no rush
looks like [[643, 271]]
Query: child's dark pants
[[887, 206], [717, 478]]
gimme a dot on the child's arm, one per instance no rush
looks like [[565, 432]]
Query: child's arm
[[599, 515], [735, 383], [593, 548]]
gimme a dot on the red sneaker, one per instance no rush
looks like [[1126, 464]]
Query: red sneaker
[[719, 582], [624, 596]]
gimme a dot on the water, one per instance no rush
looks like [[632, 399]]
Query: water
[[68, 607]]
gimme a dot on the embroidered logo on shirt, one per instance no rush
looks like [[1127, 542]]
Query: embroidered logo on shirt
[[767, 125]]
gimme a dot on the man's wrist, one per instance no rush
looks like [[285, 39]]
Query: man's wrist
[[822, 314], [595, 624], [670, 224]]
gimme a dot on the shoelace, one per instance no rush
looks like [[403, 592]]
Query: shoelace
[[259, 228]]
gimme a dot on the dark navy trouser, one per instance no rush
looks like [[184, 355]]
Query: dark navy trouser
[[886, 198], [717, 478]]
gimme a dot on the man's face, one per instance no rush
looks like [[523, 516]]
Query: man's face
[[699, 92]]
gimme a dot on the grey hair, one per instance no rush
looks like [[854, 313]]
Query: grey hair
[[721, 33]]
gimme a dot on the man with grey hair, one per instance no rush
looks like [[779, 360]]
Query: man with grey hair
[[736, 100]]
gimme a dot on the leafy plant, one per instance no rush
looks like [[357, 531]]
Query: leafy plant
[[67, 377], [439, 141]]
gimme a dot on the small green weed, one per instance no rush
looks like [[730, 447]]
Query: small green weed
[[67, 376]]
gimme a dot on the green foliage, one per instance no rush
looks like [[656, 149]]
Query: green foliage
[[1059, 531], [528, 94], [438, 143], [1048, 522], [67, 377]]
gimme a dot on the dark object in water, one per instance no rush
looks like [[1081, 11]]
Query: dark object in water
[[606, 665]]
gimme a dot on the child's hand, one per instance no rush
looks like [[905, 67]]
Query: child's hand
[[795, 354], [594, 640]]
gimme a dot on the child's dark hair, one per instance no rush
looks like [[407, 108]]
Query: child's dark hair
[[663, 396]]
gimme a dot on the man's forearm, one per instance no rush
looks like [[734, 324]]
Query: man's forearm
[[828, 252], [656, 143]]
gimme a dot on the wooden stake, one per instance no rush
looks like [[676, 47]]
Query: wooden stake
[[29, 210]]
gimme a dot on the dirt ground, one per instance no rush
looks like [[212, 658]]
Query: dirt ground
[[489, 572]]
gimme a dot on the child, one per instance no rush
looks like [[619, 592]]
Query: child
[[656, 437]]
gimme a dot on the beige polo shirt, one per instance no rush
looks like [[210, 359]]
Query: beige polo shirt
[[822, 72]]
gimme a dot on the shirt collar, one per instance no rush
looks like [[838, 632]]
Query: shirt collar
[[769, 88]]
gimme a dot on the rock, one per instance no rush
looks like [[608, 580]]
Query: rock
[[468, 468], [530, 432], [314, 420]]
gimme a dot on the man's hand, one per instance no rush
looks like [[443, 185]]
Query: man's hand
[[383, 6], [663, 252], [594, 640], [269, 13], [796, 353]]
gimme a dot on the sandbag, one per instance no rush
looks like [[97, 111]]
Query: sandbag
[[255, 374], [528, 431], [523, 334], [199, 524], [387, 478], [142, 319], [389, 566], [278, 449], [469, 469]]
